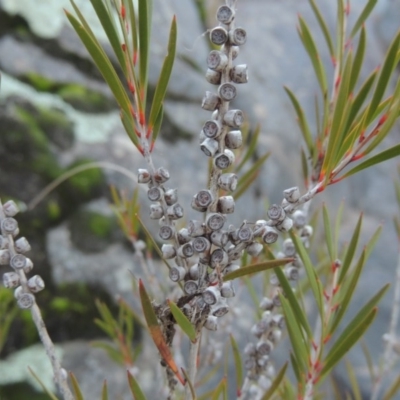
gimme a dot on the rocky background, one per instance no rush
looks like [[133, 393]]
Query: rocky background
[[56, 114]]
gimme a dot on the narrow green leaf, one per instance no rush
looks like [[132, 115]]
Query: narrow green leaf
[[104, 391], [188, 382], [376, 159], [343, 345], [275, 383], [351, 250], [103, 64], [369, 360], [165, 74], [346, 293], [372, 242], [299, 347], [107, 21], [113, 353], [302, 121], [238, 364], [296, 369], [309, 44], [135, 387], [385, 74], [144, 18], [129, 125], [355, 328], [182, 321], [328, 234], [324, 28], [340, 34], [312, 277], [294, 304], [363, 16], [157, 124], [392, 390], [304, 167], [219, 390], [75, 387], [42, 385], [355, 387], [255, 268], [358, 60]]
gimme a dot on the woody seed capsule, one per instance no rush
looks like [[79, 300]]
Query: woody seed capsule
[[217, 60], [299, 219], [194, 272], [215, 221], [36, 284], [292, 273], [26, 301], [230, 268], [161, 175], [228, 182], [154, 193], [22, 245], [171, 196], [211, 295], [175, 211], [176, 274], [186, 250], [11, 280], [245, 234], [239, 74], [3, 242], [234, 118], [270, 235], [183, 236], [264, 348], [168, 251], [210, 102], [218, 36], [220, 308], [224, 160], [203, 198], [234, 253], [9, 225], [212, 129], [266, 304], [254, 249], [233, 139], [143, 176], [28, 265], [225, 15], [226, 205], [219, 238], [166, 232], [238, 36], [227, 91], [209, 147], [211, 323], [10, 208], [213, 77], [276, 213], [285, 226], [190, 287], [288, 247], [4, 257], [18, 261], [156, 211], [219, 258], [292, 194], [196, 228], [201, 244], [228, 290]]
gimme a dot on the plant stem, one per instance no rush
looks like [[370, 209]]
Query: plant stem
[[192, 367]]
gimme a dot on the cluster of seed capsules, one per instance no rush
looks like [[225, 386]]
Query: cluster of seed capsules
[[12, 253], [268, 330]]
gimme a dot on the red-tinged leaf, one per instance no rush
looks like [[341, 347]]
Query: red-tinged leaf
[[156, 333], [135, 388], [183, 321], [75, 387], [188, 382], [254, 268]]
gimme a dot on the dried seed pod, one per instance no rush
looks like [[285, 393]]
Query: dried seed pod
[[26, 301], [190, 287], [218, 35], [9, 225], [213, 77], [183, 236], [226, 205], [264, 347], [250, 349], [11, 280], [36, 284], [144, 176], [176, 274], [234, 118], [233, 139], [209, 147], [211, 295], [217, 60], [238, 36], [195, 205], [275, 336], [239, 74], [22, 245], [166, 232], [270, 235], [168, 251], [194, 272], [292, 194], [156, 211], [279, 320], [4, 257], [4, 242], [210, 102], [28, 265], [196, 228], [212, 278], [249, 364], [215, 221], [227, 91], [212, 129], [234, 51], [171, 196], [219, 258], [211, 323], [285, 226], [307, 231], [276, 300], [288, 247], [201, 244], [299, 219], [228, 182], [203, 198], [18, 261], [273, 280], [292, 273], [161, 175], [186, 250], [175, 211], [228, 290], [245, 233], [220, 308], [225, 15], [219, 238], [224, 160], [266, 304], [254, 249], [10, 208], [230, 268], [234, 253], [276, 213], [154, 193]]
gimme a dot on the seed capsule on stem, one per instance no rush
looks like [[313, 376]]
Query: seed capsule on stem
[[219, 238], [203, 199], [215, 221], [4, 257], [168, 251], [26, 301], [292, 194], [154, 193], [156, 211], [217, 60], [212, 129], [225, 14], [219, 258], [186, 250], [161, 175], [9, 225], [183, 236], [211, 323], [218, 35], [213, 77], [230, 268], [228, 182], [245, 234], [234, 253], [227, 91], [238, 36], [144, 176], [171, 196], [11, 280], [194, 272], [276, 213], [177, 273], [226, 205], [211, 295], [220, 308], [224, 160], [254, 249], [285, 226], [190, 287], [234, 118], [227, 289], [10, 208], [22, 245], [288, 247], [201, 244], [270, 235], [209, 147], [4, 242], [196, 228], [239, 74], [36, 284], [175, 211], [233, 139], [18, 261], [166, 232]]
